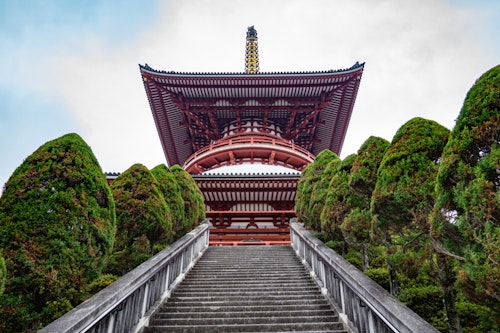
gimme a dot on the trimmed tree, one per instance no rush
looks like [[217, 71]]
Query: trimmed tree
[[303, 194], [363, 176], [362, 179], [338, 202], [57, 228], [466, 217], [167, 183], [325, 165], [305, 203], [3, 273], [404, 192], [194, 205], [143, 219]]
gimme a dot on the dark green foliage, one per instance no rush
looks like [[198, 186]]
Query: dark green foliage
[[426, 301], [56, 309], [476, 318], [362, 179], [143, 219], [325, 165], [354, 259], [363, 176], [171, 191], [303, 194], [100, 283], [339, 199], [3, 273], [194, 205], [312, 186], [57, 228], [356, 232], [466, 218], [404, 192], [379, 275]]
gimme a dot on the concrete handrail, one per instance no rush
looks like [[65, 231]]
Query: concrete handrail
[[127, 304], [362, 303]]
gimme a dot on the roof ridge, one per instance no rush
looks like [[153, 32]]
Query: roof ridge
[[355, 66]]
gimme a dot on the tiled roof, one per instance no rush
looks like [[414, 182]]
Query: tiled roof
[[334, 90]]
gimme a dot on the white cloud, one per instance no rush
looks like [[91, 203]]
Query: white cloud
[[420, 61]]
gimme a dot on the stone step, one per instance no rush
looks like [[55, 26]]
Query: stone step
[[243, 312], [191, 282], [247, 298], [246, 320], [242, 274], [260, 275], [247, 289], [318, 327], [236, 269], [256, 266], [244, 289], [247, 279], [264, 288], [196, 304], [214, 307]]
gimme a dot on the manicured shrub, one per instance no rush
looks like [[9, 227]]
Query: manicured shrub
[[194, 205], [167, 184], [404, 192], [3, 273], [305, 203], [426, 301], [325, 166], [379, 275], [57, 228], [339, 200], [144, 224], [466, 216]]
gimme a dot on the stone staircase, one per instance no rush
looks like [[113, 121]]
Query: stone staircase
[[247, 289]]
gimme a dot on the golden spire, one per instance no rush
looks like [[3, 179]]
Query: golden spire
[[252, 52]]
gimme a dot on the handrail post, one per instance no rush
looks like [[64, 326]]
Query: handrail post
[[131, 300], [363, 305], [342, 296]]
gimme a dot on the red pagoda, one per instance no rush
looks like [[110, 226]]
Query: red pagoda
[[209, 120]]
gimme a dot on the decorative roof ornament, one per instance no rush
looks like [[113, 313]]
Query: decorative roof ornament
[[252, 52]]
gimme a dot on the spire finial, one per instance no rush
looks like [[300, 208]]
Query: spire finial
[[252, 52]]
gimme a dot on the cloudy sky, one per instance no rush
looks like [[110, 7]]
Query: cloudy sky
[[72, 66]]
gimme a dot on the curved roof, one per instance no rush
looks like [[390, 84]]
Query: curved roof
[[191, 110]]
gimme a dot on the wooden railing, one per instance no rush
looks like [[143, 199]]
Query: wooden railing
[[127, 304], [249, 236], [362, 304]]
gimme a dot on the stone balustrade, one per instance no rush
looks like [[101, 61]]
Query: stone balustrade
[[127, 304], [362, 303]]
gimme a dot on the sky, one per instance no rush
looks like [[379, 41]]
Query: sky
[[72, 66]]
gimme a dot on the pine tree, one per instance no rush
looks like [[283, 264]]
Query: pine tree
[[143, 219], [305, 202], [339, 201], [3, 273], [167, 183], [325, 165], [466, 217], [194, 205], [57, 228], [362, 179], [404, 192]]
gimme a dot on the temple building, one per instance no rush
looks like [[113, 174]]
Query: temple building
[[210, 120]]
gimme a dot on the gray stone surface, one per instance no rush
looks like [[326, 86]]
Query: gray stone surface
[[247, 289]]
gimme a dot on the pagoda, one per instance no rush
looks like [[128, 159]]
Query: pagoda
[[209, 120]]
